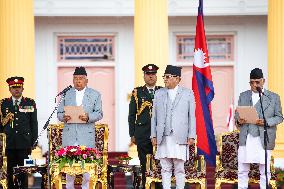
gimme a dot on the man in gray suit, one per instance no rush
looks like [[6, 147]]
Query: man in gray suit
[[251, 149], [173, 126], [80, 134]]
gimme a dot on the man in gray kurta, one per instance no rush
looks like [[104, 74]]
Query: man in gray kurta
[[173, 126], [251, 148], [80, 134]]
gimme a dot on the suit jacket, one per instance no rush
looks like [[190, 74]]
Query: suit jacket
[[81, 134], [183, 115], [22, 131], [272, 112], [140, 126]]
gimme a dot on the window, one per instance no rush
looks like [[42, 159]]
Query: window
[[86, 48], [220, 48]]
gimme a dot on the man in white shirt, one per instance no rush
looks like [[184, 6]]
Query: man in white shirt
[[173, 126], [80, 134], [251, 141]]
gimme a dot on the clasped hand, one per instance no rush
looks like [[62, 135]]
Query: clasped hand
[[259, 122], [84, 117]]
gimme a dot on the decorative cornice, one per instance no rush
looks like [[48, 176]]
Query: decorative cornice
[[126, 7]]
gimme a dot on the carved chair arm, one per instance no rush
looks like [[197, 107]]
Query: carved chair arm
[[4, 167], [148, 162], [201, 164], [219, 166]]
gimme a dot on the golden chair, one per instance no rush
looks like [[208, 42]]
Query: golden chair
[[3, 162], [55, 138], [227, 163], [195, 169]]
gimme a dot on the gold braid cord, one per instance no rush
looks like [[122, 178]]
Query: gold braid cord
[[143, 105], [9, 116]]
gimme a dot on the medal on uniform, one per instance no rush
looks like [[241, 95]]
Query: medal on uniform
[[26, 109]]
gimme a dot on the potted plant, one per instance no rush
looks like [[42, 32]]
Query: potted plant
[[279, 177], [76, 154], [124, 159]]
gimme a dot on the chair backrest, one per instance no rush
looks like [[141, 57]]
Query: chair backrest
[[55, 137], [229, 150], [55, 133], [3, 148], [102, 141]]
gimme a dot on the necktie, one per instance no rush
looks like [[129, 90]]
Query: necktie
[[16, 105], [151, 92]]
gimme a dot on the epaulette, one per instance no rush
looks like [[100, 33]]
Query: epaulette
[[140, 87], [28, 99], [5, 99]]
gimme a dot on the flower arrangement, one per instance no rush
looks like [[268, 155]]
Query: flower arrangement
[[76, 154], [279, 177], [124, 159]]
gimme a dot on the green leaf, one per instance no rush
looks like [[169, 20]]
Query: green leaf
[[71, 163], [83, 164], [62, 164]]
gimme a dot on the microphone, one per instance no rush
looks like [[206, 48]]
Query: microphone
[[259, 90], [64, 90]]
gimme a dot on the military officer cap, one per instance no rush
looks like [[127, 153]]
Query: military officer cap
[[256, 73], [173, 70], [15, 81], [150, 68], [80, 71]]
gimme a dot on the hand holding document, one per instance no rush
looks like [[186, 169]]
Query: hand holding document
[[74, 112], [248, 113]]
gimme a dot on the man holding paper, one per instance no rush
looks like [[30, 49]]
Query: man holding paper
[[79, 128], [251, 141]]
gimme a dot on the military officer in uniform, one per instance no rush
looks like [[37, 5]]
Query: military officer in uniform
[[19, 123], [139, 117]]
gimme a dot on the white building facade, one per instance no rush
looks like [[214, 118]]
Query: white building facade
[[236, 28]]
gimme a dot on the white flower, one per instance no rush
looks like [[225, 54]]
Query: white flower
[[73, 150]]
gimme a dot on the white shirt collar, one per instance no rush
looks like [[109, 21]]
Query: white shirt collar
[[81, 91], [19, 100], [172, 93], [80, 96], [255, 97], [174, 89], [150, 87]]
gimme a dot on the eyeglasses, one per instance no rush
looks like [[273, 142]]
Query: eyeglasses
[[168, 76], [256, 82]]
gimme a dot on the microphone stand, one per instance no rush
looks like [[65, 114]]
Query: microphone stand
[[266, 139], [46, 126]]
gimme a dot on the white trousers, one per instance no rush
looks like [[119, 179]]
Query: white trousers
[[70, 181], [167, 168], [243, 170]]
